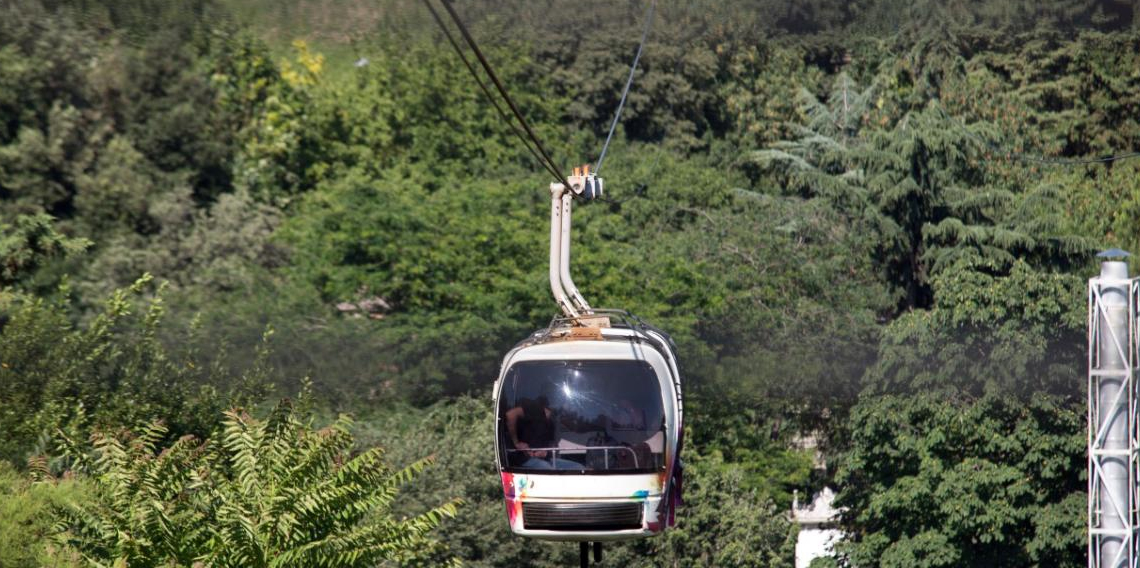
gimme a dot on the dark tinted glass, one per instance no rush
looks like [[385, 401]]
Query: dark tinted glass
[[582, 416]]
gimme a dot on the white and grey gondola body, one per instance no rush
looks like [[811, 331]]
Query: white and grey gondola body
[[610, 468]]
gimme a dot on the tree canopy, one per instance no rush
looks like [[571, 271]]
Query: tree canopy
[[863, 224]]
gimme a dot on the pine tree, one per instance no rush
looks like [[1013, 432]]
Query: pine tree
[[920, 185]]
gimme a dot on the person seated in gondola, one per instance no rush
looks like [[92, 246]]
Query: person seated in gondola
[[531, 429]]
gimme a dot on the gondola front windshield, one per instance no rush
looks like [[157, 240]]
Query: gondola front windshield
[[581, 417]]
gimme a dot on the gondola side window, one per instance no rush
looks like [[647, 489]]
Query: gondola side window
[[581, 417]]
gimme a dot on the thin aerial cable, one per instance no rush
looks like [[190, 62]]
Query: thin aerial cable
[[503, 91], [1069, 161], [640, 187], [1036, 159], [628, 83], [487, 91]]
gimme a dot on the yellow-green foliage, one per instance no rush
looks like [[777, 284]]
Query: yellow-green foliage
[[26, 521], [272, 492]]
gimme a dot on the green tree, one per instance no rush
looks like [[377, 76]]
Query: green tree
[[992, 481], [112, 371], [1013, 335], [198, 250], [271, 492], [922, 187], [26, 519], [29, 243]]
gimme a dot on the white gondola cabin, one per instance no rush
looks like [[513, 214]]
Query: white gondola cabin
[[589, 415]]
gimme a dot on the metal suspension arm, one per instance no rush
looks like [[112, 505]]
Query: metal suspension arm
[[564, 263], [557, 190]]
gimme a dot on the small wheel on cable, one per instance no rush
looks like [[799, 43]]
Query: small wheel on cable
[[584, 553], [597, 552]]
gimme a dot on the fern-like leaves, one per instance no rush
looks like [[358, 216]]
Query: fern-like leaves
[[270, 492]]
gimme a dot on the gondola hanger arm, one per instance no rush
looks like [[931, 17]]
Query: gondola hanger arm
[[587, 186]]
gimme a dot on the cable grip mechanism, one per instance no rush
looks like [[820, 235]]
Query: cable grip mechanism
[[586, 185]]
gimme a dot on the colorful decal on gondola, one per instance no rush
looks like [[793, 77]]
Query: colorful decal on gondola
[[514, 489]]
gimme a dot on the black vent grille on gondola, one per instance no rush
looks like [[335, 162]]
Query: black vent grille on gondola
[[582, 516]]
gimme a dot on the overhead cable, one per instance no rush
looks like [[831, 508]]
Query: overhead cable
[[503, 91], [1037, 159], [486, 91], [1069, 161], [628, 82]]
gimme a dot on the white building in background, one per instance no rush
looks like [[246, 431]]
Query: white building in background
[[818, 534]]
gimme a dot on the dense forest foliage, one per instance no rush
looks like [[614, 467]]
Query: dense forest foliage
[[851, 217]]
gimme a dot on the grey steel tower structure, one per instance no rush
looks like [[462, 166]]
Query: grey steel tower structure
[[1112, 418]]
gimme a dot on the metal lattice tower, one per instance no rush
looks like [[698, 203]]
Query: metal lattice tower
[[1113, 437]]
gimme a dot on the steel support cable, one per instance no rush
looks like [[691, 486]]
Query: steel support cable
[[1047, 161], [503, 91], [1066, 161], [640, 187], [487, 91], [1027, 158], [628, 83]]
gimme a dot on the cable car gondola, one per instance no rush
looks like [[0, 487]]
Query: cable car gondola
[[588, 435], [589, 414]]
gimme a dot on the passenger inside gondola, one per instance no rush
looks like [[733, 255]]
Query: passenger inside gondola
[[584, 416], [530, 426]]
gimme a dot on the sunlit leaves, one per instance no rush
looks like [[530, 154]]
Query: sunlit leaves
[[932, 482], [272, 492]]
